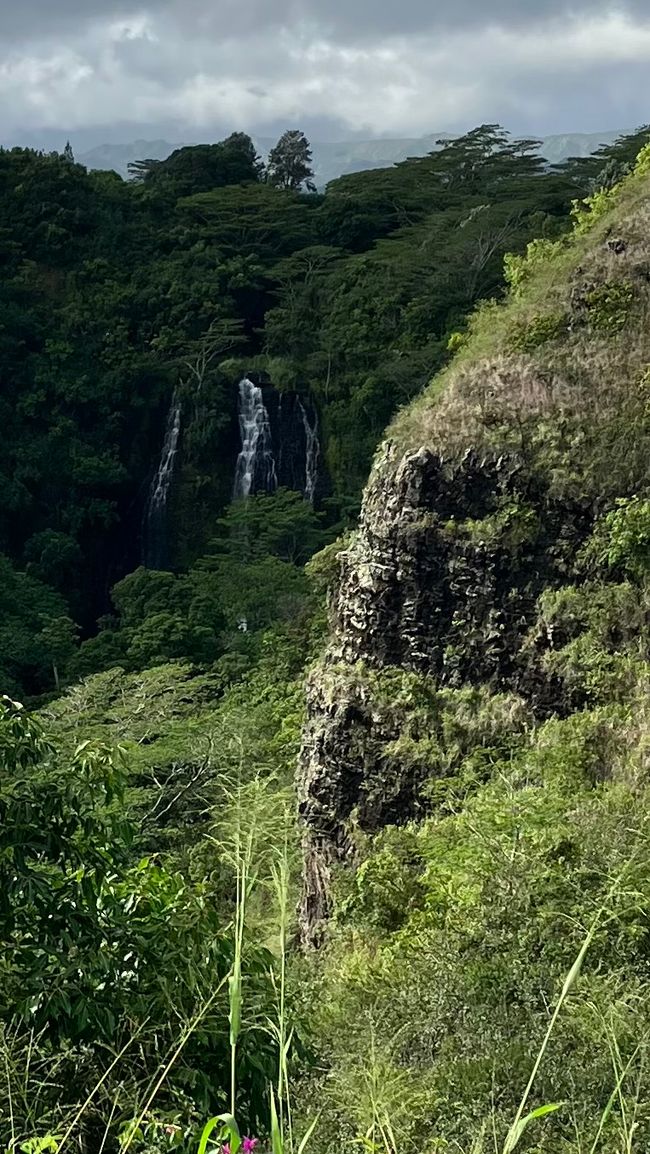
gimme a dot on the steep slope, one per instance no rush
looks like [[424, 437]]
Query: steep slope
[[491, 527]]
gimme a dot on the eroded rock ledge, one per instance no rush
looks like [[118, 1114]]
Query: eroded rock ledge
[[438, 589]]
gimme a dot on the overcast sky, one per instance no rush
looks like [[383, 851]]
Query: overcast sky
[[335, 67]]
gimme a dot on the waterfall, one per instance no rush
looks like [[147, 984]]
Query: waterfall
[[255, 469], [312, 453], [156, 549]]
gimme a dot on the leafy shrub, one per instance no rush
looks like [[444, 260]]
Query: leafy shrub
[[460, 987], [608, 306], [102, 950], [586, 213], [387, 887], [538, 330], [520, 269], [594, 638], [622, 539], [642, 166], [456, 342]]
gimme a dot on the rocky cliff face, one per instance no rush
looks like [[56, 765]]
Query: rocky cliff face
[[485, 502], [438, 590]]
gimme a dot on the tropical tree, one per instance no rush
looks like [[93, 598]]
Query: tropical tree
[[289, 164], [201, 167], [141, 170], [59, 637]]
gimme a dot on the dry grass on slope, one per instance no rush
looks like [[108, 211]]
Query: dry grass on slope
[[560, 373]]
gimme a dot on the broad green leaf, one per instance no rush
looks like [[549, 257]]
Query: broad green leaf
[[229, 1132], [517, 1131]]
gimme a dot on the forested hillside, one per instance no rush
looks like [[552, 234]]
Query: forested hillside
[[424, 728], [119, 296]]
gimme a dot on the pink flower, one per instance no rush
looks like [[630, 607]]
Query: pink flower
[[247, 1146]]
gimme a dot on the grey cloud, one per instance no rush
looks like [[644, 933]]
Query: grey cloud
[[32, 19], [369, 20], [391, 67], [396, 16]]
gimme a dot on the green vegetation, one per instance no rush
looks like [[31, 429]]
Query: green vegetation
[[107, 953], [117, 296], [289, 164], [482, 983], [608, 307], [521, 768], [540, 329], [217, 613]]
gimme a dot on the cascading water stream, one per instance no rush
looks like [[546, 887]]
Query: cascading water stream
[[312, 453], [156, 544], [255, 469]]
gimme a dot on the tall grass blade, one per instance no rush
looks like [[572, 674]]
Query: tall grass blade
[[234, 998], [622, 1075], [187, 1034], [277, 1145], [11, 1102], [515, 1132], [95, 1090], [307, 1137]]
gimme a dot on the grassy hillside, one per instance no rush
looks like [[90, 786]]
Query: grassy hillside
[[507, 528], [571, 343]]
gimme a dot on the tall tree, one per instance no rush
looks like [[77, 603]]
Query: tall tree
[[240, 159], [610, 163], [202, 167], [289, 164], [59, 637], [140, 170]]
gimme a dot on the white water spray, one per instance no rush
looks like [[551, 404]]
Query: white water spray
[[156, 515], [312, 453], [255, 463], [162, 481]]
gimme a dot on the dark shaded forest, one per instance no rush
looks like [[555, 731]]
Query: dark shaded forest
[[116, 296]]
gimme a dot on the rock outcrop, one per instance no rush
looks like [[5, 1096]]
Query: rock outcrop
[[440, 584], [483, 498]]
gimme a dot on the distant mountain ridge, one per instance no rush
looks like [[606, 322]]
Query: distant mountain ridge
[[333, 159]]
